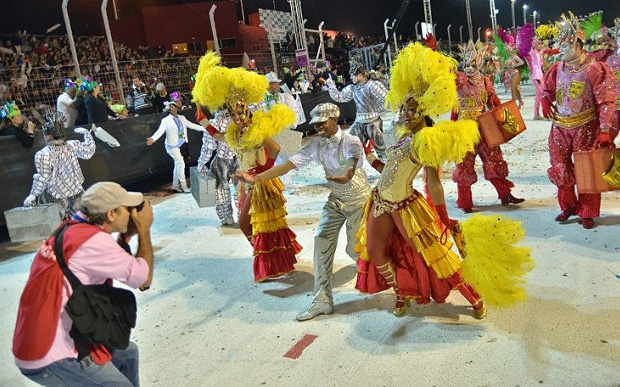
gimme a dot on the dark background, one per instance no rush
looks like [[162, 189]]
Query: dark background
[[358, 16]]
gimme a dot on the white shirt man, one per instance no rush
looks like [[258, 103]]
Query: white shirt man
[[341, 156], [67, 104]]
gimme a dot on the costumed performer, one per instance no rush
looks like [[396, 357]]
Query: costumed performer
[[274, 96], [220, 160], [605, 47], [400, 236], [475, 93], [59, 177], [175, 125], [580, 97], [262, 217], [369, 97], [342, 157]]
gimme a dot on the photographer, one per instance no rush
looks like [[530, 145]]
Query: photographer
[[43, 343]]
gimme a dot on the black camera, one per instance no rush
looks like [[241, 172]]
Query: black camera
[[139, 207]]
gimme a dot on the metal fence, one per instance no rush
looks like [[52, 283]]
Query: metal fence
[[39, 87]]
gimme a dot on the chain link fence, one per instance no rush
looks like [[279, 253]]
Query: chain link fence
[[39, 87]]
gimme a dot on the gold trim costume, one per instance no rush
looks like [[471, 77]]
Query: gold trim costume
[[400, 225], [263, 213]]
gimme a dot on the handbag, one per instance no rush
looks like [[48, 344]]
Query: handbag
[[101, 314]]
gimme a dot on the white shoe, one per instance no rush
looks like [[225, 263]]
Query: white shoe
[[176, 189], [314, 310], [227, 221], [185, 190]]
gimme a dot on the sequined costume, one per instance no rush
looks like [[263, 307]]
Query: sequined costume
[[475, 94], [344, 206], [369, 99], [288, 134], [425, 268], [59, 177], [218, 158], [262, 216], [584, 92]]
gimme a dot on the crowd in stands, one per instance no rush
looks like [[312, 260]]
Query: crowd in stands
[[34, 70]]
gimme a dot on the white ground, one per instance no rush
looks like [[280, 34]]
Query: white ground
[[204, 321]]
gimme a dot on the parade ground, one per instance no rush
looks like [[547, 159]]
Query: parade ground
[[204, 322]]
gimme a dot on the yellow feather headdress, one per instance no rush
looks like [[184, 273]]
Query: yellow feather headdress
[[218, 85], [425, 75]]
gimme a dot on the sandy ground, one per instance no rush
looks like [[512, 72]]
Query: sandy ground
[[204, 322]]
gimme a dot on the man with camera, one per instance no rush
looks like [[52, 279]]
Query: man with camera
[[50, 344]]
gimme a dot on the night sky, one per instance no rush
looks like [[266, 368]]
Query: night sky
[[357, 16]]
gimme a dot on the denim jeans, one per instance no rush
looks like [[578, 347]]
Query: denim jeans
[[121, 371]]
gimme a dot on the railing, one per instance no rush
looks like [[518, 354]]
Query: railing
[[45, 84]]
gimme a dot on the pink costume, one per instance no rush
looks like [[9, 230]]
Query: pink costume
[[474, 96], [585, 95], [613, 61], [537, 77]]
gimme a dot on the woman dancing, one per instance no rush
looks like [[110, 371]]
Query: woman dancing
[[401, 242], [262, 217]]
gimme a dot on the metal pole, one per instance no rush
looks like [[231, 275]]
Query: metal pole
[[243, 14], [321, 40], [417, 35], [65, 14], [387, 41], [449, 39], [303, 26], [479, 28], [461, 33], [273, 52], [512, 8], [493, 15], [428, 15], [524, 14], [216, 44], [469, 25], [106, 24], [399, 17], [395, 40]]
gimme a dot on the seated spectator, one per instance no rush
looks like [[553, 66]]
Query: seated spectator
[[67, 104], [138, 99], [161, 97], [24, 131], [43, 342]]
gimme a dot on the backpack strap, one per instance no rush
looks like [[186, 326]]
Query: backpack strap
[[60, 257]]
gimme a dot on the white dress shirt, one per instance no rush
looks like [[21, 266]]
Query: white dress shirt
[[63, 105], [325, 151]]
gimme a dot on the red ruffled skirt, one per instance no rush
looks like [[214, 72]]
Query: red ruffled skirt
[[425, 268], [275, 245]]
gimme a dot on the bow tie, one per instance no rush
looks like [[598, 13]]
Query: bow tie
[[329, 140]]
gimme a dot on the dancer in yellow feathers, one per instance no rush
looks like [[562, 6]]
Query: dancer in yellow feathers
[[401, 243], [263, 213]]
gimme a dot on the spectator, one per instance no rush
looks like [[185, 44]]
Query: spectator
[[97, 109], [138, 100], [67, 104], [175, 126], [16, 125], [161, 97], [43, 346]]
